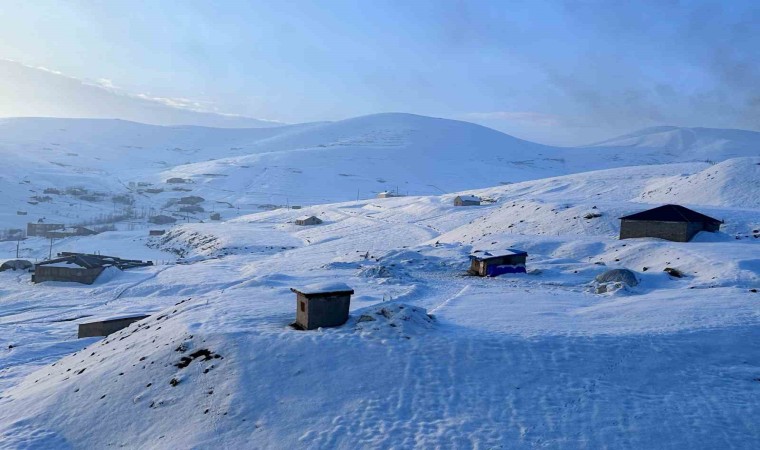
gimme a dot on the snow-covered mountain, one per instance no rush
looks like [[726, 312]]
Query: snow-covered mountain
[[34, 92], [247, 168], [680, 144], [243, 170]]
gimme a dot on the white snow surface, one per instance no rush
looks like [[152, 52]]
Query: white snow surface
[[430, 357]]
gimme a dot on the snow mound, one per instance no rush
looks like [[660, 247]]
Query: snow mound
[[382, 272], [108, 274], [396, 319], [624, 276], [734, 182], [615, 280]]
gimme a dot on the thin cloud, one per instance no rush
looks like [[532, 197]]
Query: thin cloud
[[522, 117]]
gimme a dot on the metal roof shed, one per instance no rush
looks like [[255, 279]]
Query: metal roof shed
[[497, 262], [322, 305]]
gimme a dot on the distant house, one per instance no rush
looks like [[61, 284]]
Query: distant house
[[466, 200], [495, 263], [388, 194], [80, 267], [42, 229], [670, 222], [156, 232], [69, 232], [308, 220], [322, 305], [162, 219], [176, 180], [215, 216]]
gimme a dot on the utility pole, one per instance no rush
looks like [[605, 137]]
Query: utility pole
[[357, 194], [18, 244], [50, 253]]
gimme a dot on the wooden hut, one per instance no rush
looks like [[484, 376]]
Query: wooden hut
[[322, 305], [498, 262], [670, 222], [308, 220], [466, 200]]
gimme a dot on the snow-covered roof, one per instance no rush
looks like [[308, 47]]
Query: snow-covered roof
[[471, 198], [323, 288], [488, 254], [305, 217], [671, 213]]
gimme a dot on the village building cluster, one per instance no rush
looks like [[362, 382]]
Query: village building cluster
[[327, 305]]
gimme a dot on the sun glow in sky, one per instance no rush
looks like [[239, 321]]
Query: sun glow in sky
[[556, 72]]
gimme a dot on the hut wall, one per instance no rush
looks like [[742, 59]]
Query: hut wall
[[507, 264], [106, 327], [77, 275], [497, 266], [322, 311], [672, 231]]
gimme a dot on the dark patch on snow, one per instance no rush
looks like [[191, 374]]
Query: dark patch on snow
[[206, 354]]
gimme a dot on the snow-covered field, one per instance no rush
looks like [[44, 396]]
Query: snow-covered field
[[430, 357]]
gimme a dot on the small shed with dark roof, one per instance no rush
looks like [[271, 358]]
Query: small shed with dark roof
[[670, 222], [322, 305], [308, 220], [466, 200], [498, 262]]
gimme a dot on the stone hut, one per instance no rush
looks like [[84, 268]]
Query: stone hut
[[42, 229], [466, 200], [322, 305], [308, 220], [498, 262], [670, 222], [107, 326], [388, 194], [69, 232], [80, 267]]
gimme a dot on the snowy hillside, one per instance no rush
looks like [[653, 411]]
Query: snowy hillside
[[85, 170], [735, 182], [680, 144], [247, 169], [430, 357]]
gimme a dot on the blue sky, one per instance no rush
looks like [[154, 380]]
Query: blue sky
[[557, 72]]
